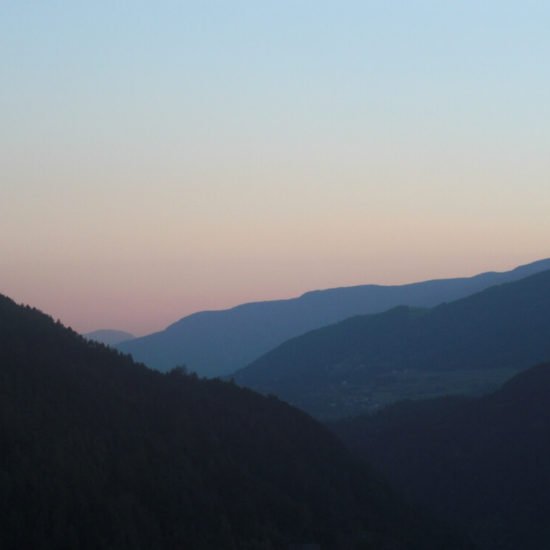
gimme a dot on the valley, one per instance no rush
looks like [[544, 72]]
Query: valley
[[345, 399]]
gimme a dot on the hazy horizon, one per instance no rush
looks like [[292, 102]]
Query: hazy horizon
[[160, 159], [146, 321]]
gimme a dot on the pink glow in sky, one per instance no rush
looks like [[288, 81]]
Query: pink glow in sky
[[169, 157]]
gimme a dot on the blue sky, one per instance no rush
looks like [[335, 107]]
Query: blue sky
[[163, 157]]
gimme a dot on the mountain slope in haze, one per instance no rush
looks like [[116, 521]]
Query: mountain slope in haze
[[215, 343], [503, 329], [482, 463], [101, 452], [109, 337]]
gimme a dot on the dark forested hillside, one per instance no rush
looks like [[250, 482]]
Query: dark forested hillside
[[467, 346], [215, 343], [109, 337], [100, 452], [482, 463]]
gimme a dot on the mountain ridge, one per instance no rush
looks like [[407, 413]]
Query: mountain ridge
[[505, 326], [101, 452], [218, 342]]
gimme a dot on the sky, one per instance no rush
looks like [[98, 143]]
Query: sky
[[160, 158]]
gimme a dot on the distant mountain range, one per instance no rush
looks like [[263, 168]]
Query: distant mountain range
[[368, 361], [100, 452], [216, 343], [109, 337], [480, 463]]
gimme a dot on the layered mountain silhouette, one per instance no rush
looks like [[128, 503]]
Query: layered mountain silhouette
[[216, 343], [101, 452], [109, 337], [481, 463], [493, 333]]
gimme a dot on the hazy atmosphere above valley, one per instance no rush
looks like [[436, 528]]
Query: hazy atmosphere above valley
[[161, 158]]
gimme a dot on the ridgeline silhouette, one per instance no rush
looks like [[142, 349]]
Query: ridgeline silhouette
[[101, 452]]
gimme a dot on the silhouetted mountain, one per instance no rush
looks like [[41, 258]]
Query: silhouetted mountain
[[370, 360], [109, 337], [482, 463], [100, 452], [214, 343]]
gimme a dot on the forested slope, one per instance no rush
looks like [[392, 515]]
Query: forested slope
[[503, 329], [482, 463], [100, 452]]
